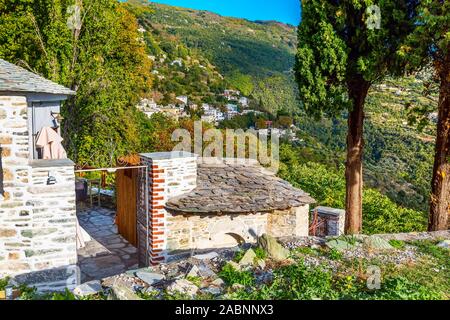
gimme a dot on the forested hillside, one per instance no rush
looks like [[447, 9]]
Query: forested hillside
[[255, 57], [258, 57], [171, 51]]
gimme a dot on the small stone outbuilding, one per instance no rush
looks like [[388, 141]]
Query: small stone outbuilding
[[37, 197], [204, 203]]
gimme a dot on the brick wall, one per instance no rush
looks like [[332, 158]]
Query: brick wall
[[171, 174]]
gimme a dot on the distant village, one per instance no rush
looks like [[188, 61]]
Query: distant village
[[211, 114], [237, 105]]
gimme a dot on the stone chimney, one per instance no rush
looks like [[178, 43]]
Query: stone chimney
[[170, 174]]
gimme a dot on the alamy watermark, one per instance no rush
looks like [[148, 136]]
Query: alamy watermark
[[74, 19], [373, 20]]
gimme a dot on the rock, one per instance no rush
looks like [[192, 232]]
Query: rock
[[376, 243], [218, 283], [183, 286], [150, 277], [132, 272], [88, 288], [237, 287], [339, 245], [248, 258], [265, 277], [206, 256], [236, 266], [444, 244], [261, 264], [193, 272], [215, 291], [273, 248], [205, 271], [120, 291], [151, 291]]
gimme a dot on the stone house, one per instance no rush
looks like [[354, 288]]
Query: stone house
[[203, 203], [37, 197]]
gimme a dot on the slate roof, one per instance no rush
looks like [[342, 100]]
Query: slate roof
[[235, 187], [17, 79]]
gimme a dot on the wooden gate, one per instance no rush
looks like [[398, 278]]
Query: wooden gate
[[126, 197]]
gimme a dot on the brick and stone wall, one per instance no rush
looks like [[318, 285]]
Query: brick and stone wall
[[173, 234], [37, 220], [171, 174]]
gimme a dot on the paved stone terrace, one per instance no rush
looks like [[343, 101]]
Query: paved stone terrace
[[108, 253]]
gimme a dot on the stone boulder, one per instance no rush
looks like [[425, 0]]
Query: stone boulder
[[184, 287], [273, 248], [120, 291], [248, 258], [206, 256], [376, 243], [88, 288], [444, 244], [339, 245], [150, 278]]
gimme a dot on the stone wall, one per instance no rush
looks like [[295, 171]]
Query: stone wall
[[186, 232], [173, 234], [37, 221], [171, 174], [292, 222]]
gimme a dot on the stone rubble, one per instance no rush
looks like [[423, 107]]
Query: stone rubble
[[88, 288], [193, 277]]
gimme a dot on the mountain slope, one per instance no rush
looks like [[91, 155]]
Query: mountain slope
[[254, 57]]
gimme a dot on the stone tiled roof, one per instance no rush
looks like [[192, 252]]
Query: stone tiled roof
[[17, 79], [236, 187]]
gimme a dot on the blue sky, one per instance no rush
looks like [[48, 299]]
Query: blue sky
[[287, 11]]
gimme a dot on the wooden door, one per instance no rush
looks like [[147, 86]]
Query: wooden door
[[126, 196]]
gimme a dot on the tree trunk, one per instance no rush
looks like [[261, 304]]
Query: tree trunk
[[358, 89], [440, 186]]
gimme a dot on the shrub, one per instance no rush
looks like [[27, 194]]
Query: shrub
[[334, 254], [327, 186], [3, 283], [260, 253], [397, 243], [231, 276]]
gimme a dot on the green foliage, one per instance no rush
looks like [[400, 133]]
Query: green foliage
[[105, 62], [334, 254], [260, 253], [336, 48], [428, 247], [3, 283], [399, 288], [397, 244], [327, 186], [238, 255], [242, 82], [231, 276], [299, 282], [195, 280], [254, 58]]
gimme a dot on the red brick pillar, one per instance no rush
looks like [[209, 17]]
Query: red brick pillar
[[170, 174], [157, 223]]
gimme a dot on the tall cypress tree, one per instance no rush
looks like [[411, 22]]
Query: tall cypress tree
[[344, 46], [430, 42]]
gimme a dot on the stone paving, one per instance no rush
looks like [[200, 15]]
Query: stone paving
[[107, 253]]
